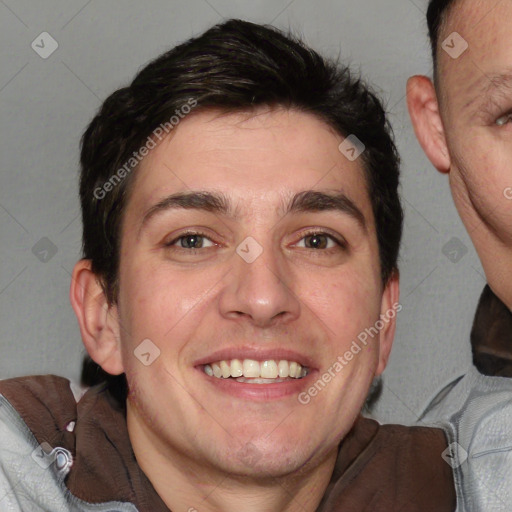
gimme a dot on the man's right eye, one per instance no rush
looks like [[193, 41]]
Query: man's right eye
[[190, 240]]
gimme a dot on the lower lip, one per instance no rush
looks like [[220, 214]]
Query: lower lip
[[259, 392]]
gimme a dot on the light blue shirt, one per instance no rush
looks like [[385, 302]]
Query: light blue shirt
[[475, 411]]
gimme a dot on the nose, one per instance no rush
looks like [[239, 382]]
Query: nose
[[261, 292]]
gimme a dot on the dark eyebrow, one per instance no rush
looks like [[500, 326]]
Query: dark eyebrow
[[315, 201], [214, 202], [218, 203]]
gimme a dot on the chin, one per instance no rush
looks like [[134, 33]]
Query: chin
[[264, 466], [275, 459]]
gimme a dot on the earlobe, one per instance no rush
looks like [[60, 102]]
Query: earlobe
[[426, 119], [390, 308], [99, 324]]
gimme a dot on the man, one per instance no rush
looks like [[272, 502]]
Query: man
[[241, 231], [463, 122]]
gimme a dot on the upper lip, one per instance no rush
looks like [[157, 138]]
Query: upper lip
[[257, 354]]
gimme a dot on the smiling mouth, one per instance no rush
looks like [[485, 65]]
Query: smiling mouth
[[251, 371]]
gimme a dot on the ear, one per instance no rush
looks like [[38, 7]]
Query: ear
[[390, 307], [99, 323], [424, 111]]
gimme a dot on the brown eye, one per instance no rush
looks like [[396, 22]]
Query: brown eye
[[319, 240]]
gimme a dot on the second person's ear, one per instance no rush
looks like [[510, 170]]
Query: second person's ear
[[426, 119]]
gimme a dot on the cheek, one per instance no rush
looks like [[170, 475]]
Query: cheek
[[346, 302], [495, 174], [152, 302], [167, 306], [482, 175], [156, 294], [482, 156]]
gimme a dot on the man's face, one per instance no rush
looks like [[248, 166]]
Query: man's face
[[192, 284], [475, 95]]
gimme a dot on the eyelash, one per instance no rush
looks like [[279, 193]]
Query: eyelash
[[341, 243]]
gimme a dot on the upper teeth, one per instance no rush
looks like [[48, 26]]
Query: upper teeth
[[269, 369]]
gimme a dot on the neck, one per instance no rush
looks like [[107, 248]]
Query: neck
[[185, 483]]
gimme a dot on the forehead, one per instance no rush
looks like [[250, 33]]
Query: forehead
[[256, 159], [479, 21], [486, 27]]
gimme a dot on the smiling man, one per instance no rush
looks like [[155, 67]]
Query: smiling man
[[239, 282], [250, 260]]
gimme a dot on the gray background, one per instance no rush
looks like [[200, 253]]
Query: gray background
[[45, 104]]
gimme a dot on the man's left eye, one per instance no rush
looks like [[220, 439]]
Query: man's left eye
[[319, 241], [503, 120]]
